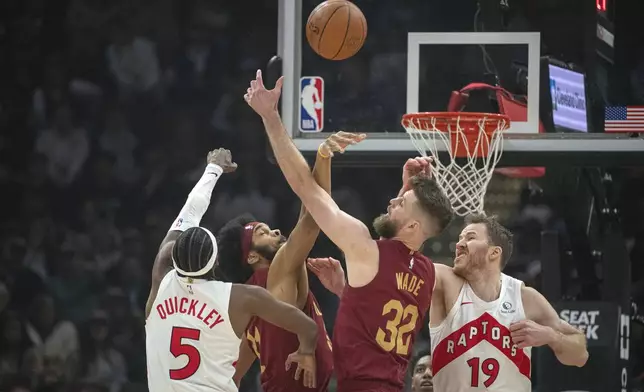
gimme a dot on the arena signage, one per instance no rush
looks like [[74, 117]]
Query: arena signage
[[596, 319]]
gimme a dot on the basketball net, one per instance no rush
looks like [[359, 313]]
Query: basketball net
[[474, 142]]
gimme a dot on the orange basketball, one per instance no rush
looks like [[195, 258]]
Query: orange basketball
[[336, 29]]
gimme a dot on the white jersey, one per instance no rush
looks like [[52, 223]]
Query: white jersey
[[472, 349], [190, 343]]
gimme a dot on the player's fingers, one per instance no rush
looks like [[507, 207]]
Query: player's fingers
[[356, 137], [334, 146], [279, 83], [411, 164], [289, 360], [315, 262], [516, 326], [314, 379], [298, 372], [309, 379], [253, 85], [259, 79], [518, 339], [429, 160], [421, 162], [345, 140], [316, 269]]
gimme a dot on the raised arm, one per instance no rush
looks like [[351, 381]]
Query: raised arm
[[247, 301], [347, 232], [413, 167], [287, 277], [544, 327], [219, 161]]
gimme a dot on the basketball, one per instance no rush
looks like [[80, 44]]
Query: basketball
[[336, 29]]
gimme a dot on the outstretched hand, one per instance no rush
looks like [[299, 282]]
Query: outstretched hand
[[264, 102], [339, 141], [417, 166], [330, 273], [222, 158], [305, 367]]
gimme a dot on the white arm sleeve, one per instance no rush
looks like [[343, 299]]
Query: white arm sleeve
[[198, 199]]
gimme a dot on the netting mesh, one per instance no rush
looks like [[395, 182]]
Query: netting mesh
[[474, 145]]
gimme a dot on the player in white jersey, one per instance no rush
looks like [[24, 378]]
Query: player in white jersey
[[194, 322], [483, 323]]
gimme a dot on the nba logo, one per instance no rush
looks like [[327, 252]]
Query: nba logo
[[311, 104]]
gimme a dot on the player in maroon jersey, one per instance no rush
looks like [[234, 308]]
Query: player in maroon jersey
[[253, 253], [389, 281]]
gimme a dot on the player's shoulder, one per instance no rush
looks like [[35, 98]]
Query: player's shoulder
[[446, 273], [529, 294], [244, 294], [446, 281]]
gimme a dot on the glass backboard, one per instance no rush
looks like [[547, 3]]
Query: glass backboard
[[416, 54]]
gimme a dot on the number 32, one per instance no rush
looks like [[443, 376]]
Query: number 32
[[399, 335]]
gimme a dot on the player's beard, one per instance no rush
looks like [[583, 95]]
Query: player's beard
[[267, 251], [475, 264], [385, 227]]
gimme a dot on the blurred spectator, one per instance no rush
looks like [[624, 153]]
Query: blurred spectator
[[4, 296], [55, 340], [118, 141], [65, 146], [110, 108], [133, 63], [102, 364], [14, 343], [50, 94]]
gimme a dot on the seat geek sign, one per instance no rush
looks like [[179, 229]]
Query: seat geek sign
[[598, 320]]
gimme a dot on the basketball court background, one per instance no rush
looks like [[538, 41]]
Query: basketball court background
[[568, 223]]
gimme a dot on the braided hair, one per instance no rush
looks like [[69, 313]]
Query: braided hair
[[192, 250]]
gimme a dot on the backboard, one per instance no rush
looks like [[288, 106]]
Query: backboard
[[415, 55]]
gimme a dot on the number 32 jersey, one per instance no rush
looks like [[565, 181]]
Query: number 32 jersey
[[472, 349], [376, 324], [190, 343]]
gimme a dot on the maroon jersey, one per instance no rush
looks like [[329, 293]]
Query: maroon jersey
[[376, 324], [272, 345]]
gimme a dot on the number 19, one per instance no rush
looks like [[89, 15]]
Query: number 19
[[489, 367]]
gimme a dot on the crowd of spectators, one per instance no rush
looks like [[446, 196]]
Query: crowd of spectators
[[107, 112]]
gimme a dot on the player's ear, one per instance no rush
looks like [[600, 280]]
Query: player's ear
[[414, 225], [495, 252], [253, 257]]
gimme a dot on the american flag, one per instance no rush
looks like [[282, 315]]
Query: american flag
[[624, 119]]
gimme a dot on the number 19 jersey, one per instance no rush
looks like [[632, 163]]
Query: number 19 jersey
[[190, 343], [376, 324], [472, 349]]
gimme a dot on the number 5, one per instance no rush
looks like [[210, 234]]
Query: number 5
[[178, 348]]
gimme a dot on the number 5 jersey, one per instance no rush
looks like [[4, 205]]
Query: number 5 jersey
[[190, 343], [472, 349], [376, 324]]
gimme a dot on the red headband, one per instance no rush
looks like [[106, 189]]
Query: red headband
[[247, 240]]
